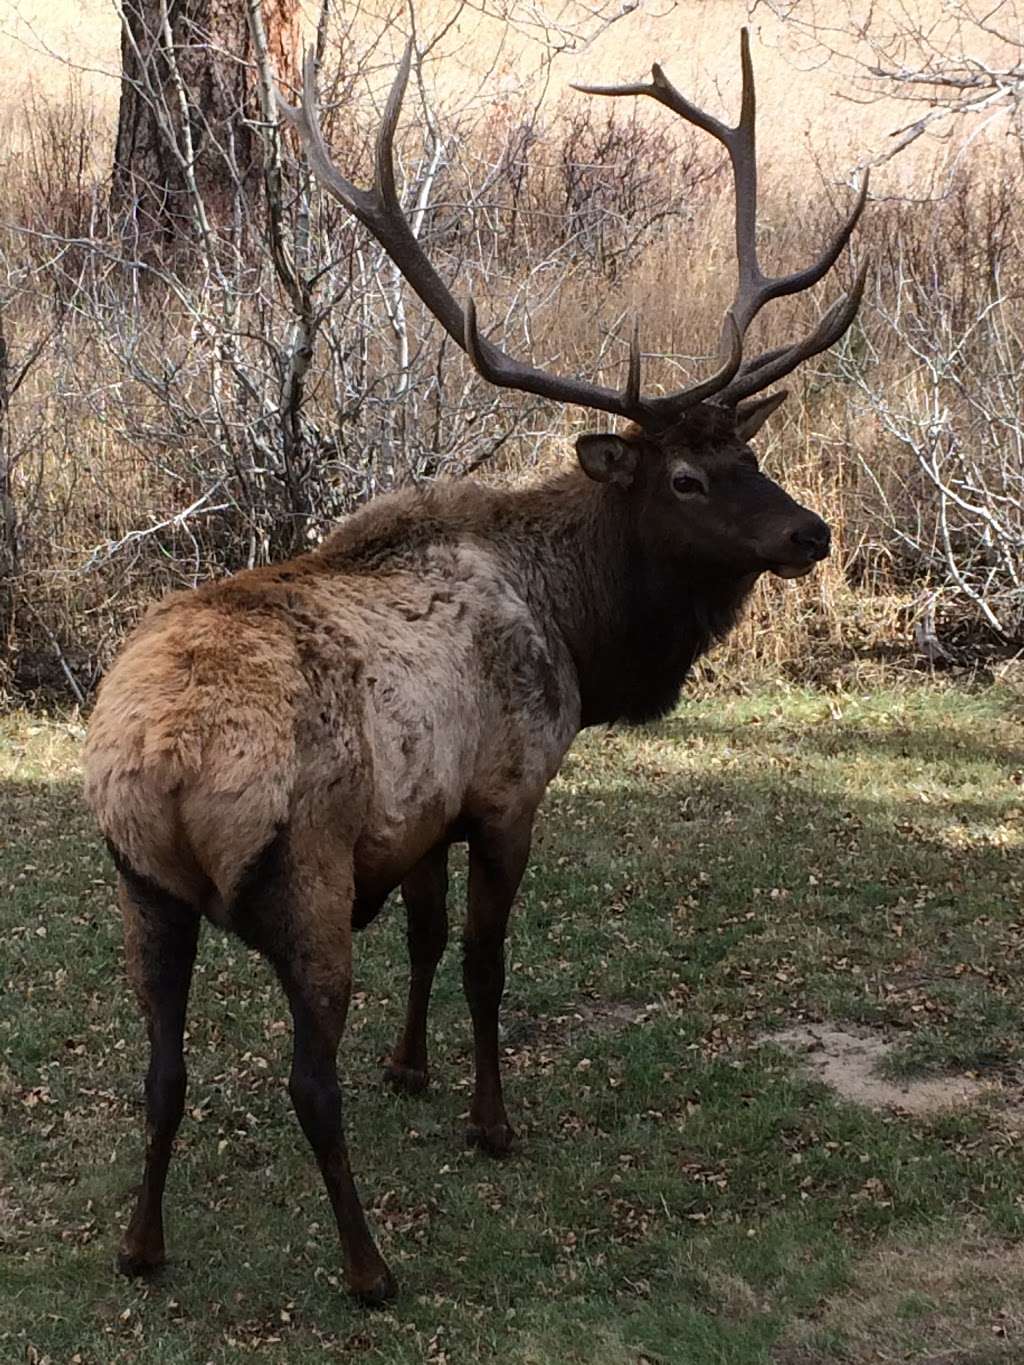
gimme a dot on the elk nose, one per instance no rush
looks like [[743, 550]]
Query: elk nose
[[814, 539]]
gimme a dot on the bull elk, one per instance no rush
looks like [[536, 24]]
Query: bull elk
[[278, 751]]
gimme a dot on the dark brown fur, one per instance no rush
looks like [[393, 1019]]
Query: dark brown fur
[[279, 750]]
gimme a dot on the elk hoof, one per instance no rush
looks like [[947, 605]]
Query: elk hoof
[[409, 1079], [139, 1264], [495, 1140], [378, 1292]]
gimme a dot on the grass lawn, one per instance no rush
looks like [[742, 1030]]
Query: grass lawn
[[681, 1192]]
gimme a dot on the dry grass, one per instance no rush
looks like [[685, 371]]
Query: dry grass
[[92, 471], [921, 1301]]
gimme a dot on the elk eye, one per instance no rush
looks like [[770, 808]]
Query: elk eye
[[686, 483]]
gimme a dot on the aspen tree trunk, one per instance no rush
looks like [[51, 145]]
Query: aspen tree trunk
[[188, 95]]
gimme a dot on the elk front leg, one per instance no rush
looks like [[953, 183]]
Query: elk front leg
[[497, 860], [425, 892], [161, 934]]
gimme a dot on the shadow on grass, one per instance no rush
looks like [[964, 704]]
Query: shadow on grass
[[921, 741], [722, 892]]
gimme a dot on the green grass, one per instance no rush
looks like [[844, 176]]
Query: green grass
[[679, 1194]]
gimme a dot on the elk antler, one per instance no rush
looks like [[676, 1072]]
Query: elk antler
[[380, 211], [754, 289]]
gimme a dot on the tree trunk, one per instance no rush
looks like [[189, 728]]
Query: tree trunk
[[186, 149]]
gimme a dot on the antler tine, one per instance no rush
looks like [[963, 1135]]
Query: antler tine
[[772, 366], [740, 143], [754, 289], [384, 161], [305, 119], [379, 209], [661, 89], [494, 365], [668, 409], [631, 393], [782, 285]]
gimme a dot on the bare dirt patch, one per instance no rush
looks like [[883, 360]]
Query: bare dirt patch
[[953, 1301], [849, 1062]]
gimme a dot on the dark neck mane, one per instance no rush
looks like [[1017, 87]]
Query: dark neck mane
[[664, 630], [635, 627]]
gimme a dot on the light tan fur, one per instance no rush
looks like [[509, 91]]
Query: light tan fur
[[361, 701]]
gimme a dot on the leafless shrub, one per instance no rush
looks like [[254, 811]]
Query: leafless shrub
[[57, 168], [622, 180], [956, 71], [939, 372], [242, 398], [189, 413]]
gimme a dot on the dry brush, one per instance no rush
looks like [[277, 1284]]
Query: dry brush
[[168, 415]]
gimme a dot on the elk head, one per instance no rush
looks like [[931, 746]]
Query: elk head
[[698, 497], [683, 463]]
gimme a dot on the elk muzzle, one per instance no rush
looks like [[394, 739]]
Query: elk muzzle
[[809, 542]]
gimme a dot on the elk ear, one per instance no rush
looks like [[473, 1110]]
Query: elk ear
[[607, 458], [752, 414]]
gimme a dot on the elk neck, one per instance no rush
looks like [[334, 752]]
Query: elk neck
[[634, 623], [573, 551]]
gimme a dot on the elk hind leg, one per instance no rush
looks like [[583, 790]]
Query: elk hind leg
[[300, 918], [425, 893], [161, 935], [497, 860]]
